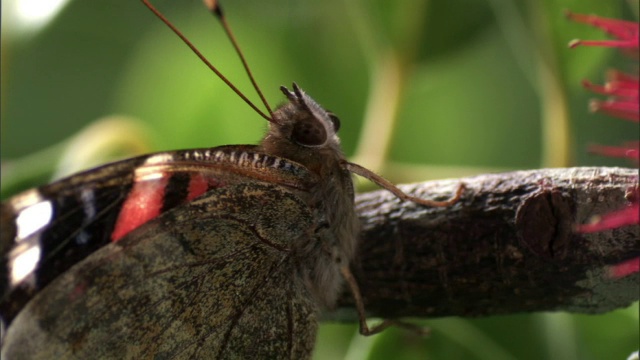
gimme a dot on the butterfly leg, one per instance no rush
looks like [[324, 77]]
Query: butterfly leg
[[364, 327], [388, 185]]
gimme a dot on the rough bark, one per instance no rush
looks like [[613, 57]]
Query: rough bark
[[507, 246]]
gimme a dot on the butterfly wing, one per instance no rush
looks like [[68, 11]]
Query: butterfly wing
[[215, 279], [47, 230]]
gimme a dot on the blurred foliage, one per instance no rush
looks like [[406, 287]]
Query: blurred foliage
[[472, 100]]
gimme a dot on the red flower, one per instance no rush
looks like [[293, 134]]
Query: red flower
[[616, 219], [623, 90], [628, 150], [623, 101], [624, 95], [626, 33]]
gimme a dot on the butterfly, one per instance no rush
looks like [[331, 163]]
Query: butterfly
[[225, 252]]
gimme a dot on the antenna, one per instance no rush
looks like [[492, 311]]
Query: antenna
[[216, 10]]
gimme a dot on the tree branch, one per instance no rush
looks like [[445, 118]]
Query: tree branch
[[507, 246]]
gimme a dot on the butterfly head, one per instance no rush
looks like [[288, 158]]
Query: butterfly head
[[302, 127]]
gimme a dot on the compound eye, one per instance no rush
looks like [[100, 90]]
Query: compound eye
[[309, 132], [335, 121]]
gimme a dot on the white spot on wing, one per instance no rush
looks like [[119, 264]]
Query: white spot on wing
[[83, 238], [144, 174], [33, 218], [158, 159], [23, 264], [152, 168], [26, 199], [88, 202]]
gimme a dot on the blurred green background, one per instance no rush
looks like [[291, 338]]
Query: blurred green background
[[424, 89]]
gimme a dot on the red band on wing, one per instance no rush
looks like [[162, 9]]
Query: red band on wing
[[198, 185], [625, 268], [143, 204]]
